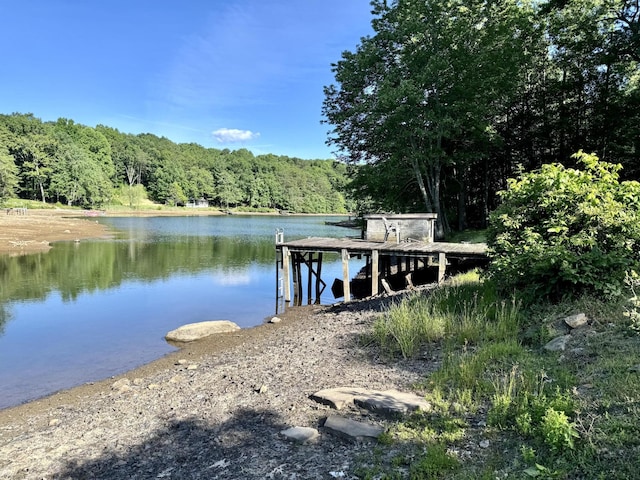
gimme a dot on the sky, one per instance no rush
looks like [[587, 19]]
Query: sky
[[219, 73]]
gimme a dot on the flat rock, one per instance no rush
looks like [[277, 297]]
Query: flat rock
[[352, 430], [390, 402], [339, 397], [558, 344], [301, 434], [576, 321], [195, 331]]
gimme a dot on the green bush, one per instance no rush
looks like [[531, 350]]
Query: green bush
[[561, 232]]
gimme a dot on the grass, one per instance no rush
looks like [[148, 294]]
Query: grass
[[572, 414]]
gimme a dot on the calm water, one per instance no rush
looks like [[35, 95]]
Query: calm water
[[83, 312]]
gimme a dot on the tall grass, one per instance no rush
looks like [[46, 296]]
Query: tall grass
[[465, 311]]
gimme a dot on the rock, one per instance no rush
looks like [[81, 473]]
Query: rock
[[301, 434], [193, 366], [558, 344], [196, 331], [338, 397], [484, 444], [390, 402], [275, 320], [54, 422], [122, 385], [576, 321], [352, 430]]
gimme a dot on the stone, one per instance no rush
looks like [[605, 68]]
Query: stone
[[275, 320], [389, 402], [195, 331], [124, 384], [352, 430], [558, 344], [484, 444], [193, 366], [576, 321], [392, 402], [54, 422], [338, 397], [301, 434]]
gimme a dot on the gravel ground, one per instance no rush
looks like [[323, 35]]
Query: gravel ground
[[215, 409]]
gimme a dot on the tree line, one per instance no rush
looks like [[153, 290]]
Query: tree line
[[74, 164], [447, 99]]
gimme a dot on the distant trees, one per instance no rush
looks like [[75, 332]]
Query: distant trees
[[78, 165], [446, 100]]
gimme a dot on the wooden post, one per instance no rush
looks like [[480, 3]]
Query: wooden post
[[309, 279], [319, 279], [374, 273], [285, 272], [442, 266], [345, 275]]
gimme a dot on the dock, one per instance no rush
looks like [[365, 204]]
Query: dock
[[404, 257]]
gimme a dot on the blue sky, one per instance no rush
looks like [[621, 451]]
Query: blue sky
[[220, 73]]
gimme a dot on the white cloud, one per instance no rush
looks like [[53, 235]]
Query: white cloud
[[231, 135]]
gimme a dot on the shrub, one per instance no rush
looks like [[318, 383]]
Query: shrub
[[561, 232]]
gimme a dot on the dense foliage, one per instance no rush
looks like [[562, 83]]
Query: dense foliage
[[562, 231], [78, 165], [449, 98]]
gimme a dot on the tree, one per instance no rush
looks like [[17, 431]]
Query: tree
[[425, 89], [8, 175]]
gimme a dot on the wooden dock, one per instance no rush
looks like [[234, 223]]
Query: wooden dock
[[407, 255]]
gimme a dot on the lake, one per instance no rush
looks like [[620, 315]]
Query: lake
[[86, 311]]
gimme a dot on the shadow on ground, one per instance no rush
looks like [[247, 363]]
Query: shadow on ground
[[247, 446]]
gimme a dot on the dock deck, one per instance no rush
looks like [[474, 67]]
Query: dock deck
[[294, 254]]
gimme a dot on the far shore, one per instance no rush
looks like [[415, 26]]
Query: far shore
[[35, 230]]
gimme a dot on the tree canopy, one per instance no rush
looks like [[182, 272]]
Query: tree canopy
[[446, 100]]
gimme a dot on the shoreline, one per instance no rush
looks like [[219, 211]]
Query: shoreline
[[38, 229], [215, 409]]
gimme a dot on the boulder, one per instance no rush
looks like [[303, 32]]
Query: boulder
[[558, 344], [196, 331], [576, 321]]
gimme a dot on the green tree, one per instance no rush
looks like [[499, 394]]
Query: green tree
[[8, 175], [434, 74]]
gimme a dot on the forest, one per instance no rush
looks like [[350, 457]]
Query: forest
[[77, 165], [435, 111], [447, 100]]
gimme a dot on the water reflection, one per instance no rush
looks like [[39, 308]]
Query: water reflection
[[83, 312]]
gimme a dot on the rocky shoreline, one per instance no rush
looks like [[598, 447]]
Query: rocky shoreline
[[216, 409]]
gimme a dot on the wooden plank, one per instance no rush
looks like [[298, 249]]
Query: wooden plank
[[319, 279], [285, 273], [442, 266], [345, 275], [374, 273]]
